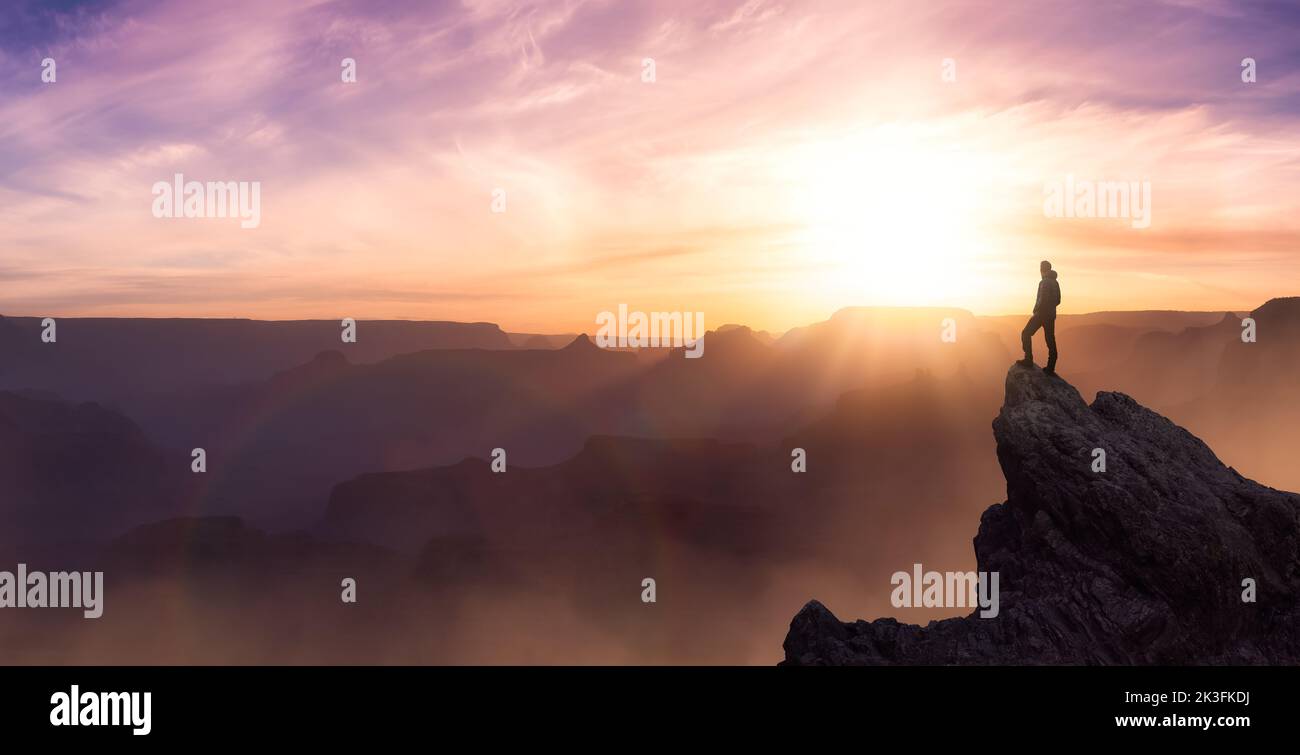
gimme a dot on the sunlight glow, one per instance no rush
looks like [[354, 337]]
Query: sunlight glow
[[890, 217]]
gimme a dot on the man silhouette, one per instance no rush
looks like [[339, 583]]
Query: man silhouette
[[1049, 296]]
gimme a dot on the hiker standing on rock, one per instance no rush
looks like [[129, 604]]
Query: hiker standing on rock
[[1049, 297]]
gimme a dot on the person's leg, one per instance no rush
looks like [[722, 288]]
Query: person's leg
[[1027, 337], [1049, 332]]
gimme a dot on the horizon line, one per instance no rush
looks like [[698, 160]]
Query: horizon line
[[534, 331]]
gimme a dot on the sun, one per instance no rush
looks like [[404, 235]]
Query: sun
[[889, 219]]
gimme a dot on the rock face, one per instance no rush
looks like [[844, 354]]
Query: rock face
[[1142, 563], [77, 471]]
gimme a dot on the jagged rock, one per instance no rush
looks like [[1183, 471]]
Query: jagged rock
[[1140, 564]]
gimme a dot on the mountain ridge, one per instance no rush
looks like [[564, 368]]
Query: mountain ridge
[[1142, 563]]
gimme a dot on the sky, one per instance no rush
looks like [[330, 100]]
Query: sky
[[515, 162]]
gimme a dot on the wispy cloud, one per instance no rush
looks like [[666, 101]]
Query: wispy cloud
[[760, 113]]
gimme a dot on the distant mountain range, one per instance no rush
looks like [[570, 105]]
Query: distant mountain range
[[328, 459]]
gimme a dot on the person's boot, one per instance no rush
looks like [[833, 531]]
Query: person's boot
[[1050, 369], [1028, 361]]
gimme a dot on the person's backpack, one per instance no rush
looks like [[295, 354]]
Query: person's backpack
[[1056, 291]]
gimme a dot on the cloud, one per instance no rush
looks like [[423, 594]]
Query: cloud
[[390, 179]]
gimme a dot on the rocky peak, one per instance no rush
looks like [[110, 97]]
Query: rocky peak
[[1143, 562], [582, 344]]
